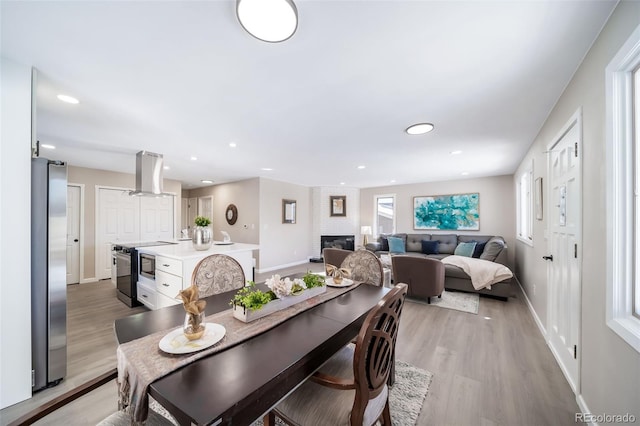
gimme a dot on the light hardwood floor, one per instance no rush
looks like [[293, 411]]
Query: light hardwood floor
[[493, 368]]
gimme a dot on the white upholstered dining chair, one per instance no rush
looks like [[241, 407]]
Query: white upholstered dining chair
[[364, 266], [351, 388], [216, 274]]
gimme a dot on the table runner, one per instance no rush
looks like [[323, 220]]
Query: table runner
[[141, 362]]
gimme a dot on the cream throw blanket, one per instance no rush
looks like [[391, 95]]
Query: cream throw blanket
[[483, 273]]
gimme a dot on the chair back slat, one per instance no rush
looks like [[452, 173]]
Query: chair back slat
[[375, 350]]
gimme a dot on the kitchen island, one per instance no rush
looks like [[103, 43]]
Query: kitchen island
[[174, 265]]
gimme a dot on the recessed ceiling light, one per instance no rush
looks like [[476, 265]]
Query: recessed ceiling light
[[194, 158], [392, 181], [455, 152], [266, 169], [166, 167], [233, 145], [206, 181], [464, 173], [68, 99], [419, 129], [361, 167], [47, 146], [341, 183], [268, 20]]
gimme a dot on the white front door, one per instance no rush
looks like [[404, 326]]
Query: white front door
[[73, 234], [564, 244]]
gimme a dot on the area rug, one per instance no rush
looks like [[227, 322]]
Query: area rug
[[406, 397], [457, 300]]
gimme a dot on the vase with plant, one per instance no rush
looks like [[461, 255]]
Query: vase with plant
[[202, 234], [251, 303]]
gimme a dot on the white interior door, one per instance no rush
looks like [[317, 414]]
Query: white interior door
[[156, 218], [564, 283], [205, 207], [118, 221], [193, 212], [73, 234]]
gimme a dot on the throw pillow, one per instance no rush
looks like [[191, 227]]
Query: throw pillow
[[479, 249], [492, 249], [384, 243], [430, 247], [465, 249], [396, 245]]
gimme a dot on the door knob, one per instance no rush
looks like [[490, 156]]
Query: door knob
[[75, 240], [550, 257]]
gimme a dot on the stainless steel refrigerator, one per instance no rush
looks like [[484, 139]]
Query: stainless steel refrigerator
[[48, 272]]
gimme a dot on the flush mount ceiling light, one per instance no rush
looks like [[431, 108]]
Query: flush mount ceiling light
[[268, 20], [206, 181], [68, 99], [419, 129]]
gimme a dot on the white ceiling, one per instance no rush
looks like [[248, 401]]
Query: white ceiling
[[183, 78]]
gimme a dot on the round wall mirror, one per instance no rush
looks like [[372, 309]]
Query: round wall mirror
[[231, 214]]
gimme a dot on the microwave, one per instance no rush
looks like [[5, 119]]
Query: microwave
[[148, 266]]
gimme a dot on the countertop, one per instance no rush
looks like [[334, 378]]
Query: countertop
[[184, 250]]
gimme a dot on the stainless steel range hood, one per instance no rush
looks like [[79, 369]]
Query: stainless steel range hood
[[149, 175]]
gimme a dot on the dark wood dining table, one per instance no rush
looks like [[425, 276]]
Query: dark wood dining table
[[240, 384]]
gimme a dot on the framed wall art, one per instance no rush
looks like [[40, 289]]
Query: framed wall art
[[458, 212], [338, 205], [288, 211]]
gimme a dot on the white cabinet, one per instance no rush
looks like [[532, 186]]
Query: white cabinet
[[147, 296], [174, 271]]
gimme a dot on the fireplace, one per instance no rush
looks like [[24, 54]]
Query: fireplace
[[345, 242]]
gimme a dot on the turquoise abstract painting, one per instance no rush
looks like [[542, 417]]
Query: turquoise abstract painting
[[450, 212]]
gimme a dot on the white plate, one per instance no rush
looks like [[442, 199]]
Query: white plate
[[346, 282], [222, 243], [177, 343]]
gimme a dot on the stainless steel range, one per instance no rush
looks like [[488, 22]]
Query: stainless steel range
[[128, 269]]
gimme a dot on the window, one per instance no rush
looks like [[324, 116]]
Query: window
[[385, 220], [623, 191], [525, 206]]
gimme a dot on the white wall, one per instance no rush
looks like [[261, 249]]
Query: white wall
[[610, 368], [15, 251], [325, 224], [284, 244], [497, 205]]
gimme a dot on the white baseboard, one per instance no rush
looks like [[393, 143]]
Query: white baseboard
[[582, 404], [536, 318], [287, 265], [88, 280]]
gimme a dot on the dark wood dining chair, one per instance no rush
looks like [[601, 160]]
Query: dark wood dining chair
[[351, 388], [216, 274], [365, 266], [119, 418]]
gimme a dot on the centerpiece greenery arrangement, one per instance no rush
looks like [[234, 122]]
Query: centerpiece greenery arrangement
[[282, 292]]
